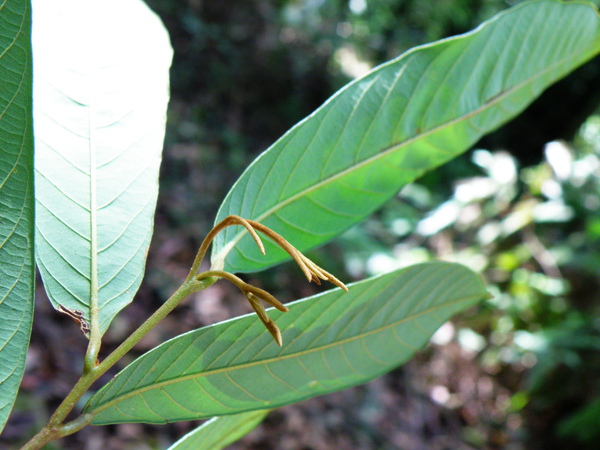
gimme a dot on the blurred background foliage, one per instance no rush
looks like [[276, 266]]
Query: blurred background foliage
[[520, 208], [521, 370]]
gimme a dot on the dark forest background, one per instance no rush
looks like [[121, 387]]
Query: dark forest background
[[521, 370]]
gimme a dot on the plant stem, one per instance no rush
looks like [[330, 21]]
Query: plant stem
[[55, 428], [186, 289], [228, 221]]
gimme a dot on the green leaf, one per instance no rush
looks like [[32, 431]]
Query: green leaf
[[16, 199], [404, 118], [219, 432], [331, 341], [101, 90]]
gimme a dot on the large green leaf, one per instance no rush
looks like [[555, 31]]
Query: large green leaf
[[406, 117], [331, 341], [101, 91], [16, 199], [220, 431]]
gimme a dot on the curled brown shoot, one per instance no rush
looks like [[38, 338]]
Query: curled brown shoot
[[252, 293]]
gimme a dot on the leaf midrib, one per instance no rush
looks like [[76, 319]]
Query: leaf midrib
[[316, 349], [94, 290]]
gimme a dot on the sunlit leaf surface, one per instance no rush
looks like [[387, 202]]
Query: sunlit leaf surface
[[404, 118], [101, 90], [16, 199], [331, 341]]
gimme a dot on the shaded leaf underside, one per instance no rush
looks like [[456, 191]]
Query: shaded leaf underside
[[331, 341], [16, 199]]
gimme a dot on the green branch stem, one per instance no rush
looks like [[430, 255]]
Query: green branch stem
[[194, 282], [55, 427]]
